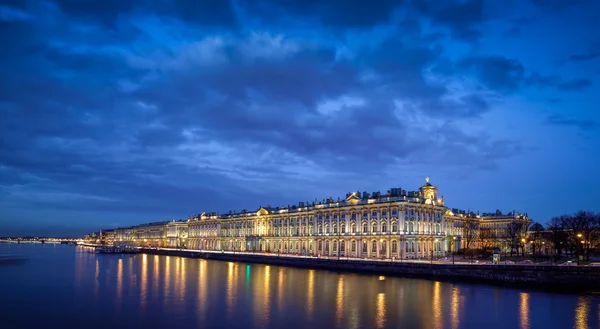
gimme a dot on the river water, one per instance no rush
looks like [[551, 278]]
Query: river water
[[63, 286]]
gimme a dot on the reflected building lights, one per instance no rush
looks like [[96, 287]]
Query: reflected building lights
[[167, 283], [229, 289], [183, 279], [339, 304], [267, 288], [455, 308], [263, 315], [177, 277], [437, 305], [524, 310], [380, 311], [97, 278], [582, 313], [155, 276], [280, 292], [119, 281], [311, 294], [202, 292], [144, 282]]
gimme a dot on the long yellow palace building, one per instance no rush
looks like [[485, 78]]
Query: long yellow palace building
[[399, 224]]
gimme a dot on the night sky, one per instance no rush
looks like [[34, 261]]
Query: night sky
[[114, 114]]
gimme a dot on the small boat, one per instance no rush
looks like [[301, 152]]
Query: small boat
[[108, 250], [117, 250]]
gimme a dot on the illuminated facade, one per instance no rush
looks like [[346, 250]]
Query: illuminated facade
[[398, 224]]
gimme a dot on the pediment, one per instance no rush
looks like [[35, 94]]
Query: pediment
[[262, 212], [353, 198]]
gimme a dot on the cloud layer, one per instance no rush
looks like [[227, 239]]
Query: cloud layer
[[130, 111]]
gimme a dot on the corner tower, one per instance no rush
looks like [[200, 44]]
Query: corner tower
[[429, 192]]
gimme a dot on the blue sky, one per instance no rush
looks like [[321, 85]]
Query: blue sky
[[117, 112]]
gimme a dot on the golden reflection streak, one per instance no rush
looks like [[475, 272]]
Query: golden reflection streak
[[144, 282], [339, 304], [119, 281], [183, 277], [156, 273], [524, 310], [229, 288], [267, 294], [455, 308], [380, 311], [311, 294], [97, 278], [202, 292], [167, 283], [437, 305], [280, 292], [177, 276], [581, 313]]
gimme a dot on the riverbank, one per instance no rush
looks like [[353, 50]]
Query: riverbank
[[566, 278]]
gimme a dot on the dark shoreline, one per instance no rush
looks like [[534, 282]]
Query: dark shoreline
[[567, 279]]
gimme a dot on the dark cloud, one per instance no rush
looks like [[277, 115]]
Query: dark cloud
[[557, 82], [592, 53], [461, 17], [509, 75], [557, 5], [585, 56], [496, 72], [338, 13], [560, 120], [163, 108], [108, 12]]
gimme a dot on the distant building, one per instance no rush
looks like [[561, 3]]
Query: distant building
[[400, 223]]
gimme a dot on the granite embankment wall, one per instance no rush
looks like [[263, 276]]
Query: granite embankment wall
[[568, 278]]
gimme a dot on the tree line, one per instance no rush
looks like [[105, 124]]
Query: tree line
[[569, 234]]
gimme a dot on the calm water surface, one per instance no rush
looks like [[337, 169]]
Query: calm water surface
[[63, 286]]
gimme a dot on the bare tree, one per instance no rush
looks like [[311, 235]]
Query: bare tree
[[560, 236], [470, 228], [486, 238], [536, 237], [583, 230], [514, 234]]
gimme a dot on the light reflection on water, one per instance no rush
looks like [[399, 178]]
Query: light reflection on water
[[524, 310], [147, 291]]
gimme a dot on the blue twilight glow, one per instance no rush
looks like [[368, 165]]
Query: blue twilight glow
[[118, 112]]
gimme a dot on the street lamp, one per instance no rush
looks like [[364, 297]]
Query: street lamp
[[579, 237], [433, 247], [453, 248], [522, 247]]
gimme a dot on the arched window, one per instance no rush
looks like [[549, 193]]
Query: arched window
[[342, 228], [394, 227], [365, 227], [394, 246], [374, 227], [326, 228], [335, 228], [384, 246], [411, 227], [320, 228], [326, 246], [320, 245], [353, 246], [335, 243], [364, 246], [353, 228], [384, 227], [374, 246]]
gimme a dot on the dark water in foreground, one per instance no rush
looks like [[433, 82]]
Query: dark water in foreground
[[71, 287]]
